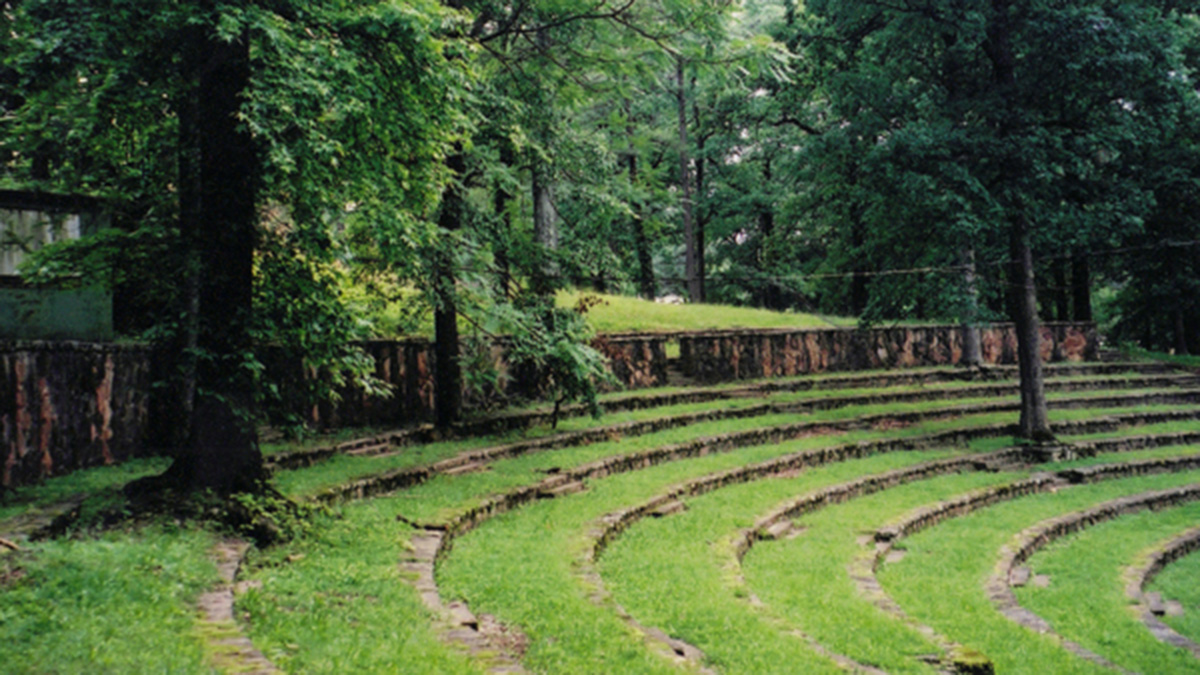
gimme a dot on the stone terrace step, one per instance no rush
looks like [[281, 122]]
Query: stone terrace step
[[1175, 381]]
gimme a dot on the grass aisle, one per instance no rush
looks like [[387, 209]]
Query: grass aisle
[[805, 579], [1179, 582], [1086, 601], [941, 579], [520, 566], [335, 601], [679, 572]]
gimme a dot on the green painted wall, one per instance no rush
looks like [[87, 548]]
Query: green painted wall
[[45, 314]]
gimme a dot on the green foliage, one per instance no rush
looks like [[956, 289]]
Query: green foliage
[[550, 344], [309, 334]]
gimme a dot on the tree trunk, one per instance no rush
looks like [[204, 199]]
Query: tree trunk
[[972, 350], [646, 286], [641, 242], [218, 209], [692, 252], [500, 202], [1181, 343], [448, 373], [545, 228], [1081, 284], [858, 282], [1062, 299], [1034, 423]]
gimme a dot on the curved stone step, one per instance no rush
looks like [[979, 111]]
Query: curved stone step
[[1140, 576], [525, 419]]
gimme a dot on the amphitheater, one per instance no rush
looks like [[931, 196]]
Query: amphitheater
[[879, 521]]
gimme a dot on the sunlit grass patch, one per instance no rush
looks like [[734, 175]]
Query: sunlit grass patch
[[940, 581], [805, 579], [623, 314], [1178, 582], [1085, 600]]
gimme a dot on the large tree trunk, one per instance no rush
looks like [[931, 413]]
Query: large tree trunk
[[692, 251], [1034, 423], [218, 211], [448, 374]]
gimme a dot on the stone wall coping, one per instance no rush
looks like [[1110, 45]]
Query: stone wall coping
[[736, 332], [13, 346], [81, 345]]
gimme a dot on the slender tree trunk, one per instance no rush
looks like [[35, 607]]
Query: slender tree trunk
[[219, 209], [448, 373], [545, 228], [500, 201], [972, 349], [641, 242], [190, 205], [1034, 423], [771, 297], [692, 252], [1062, 298], [1181, 343], [646, 286], [858, 282], [1081, 285]]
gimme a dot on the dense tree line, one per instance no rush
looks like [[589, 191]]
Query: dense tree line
[[300, 167]]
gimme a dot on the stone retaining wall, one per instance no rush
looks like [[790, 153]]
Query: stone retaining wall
[[733, 355], [408, 367], [70, 405]]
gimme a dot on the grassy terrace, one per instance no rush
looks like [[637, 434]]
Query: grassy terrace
[[1178, 582], [940, 580], [335, 600], [1085, 599]]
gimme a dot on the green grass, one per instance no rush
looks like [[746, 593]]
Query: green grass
[[335, 602], [1178, 582], [677, 572], [342, 468], [520, 567], [941, 579], [623, 314], [119, 603], [819, 596], [1185, 360], [1086, 601], [94, 482]]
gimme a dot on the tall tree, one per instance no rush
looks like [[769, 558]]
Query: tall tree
[[1016, 119]]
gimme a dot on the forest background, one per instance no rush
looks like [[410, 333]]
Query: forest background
[[311, 174]]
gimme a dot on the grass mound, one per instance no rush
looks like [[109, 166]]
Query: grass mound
[[623, 314]]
